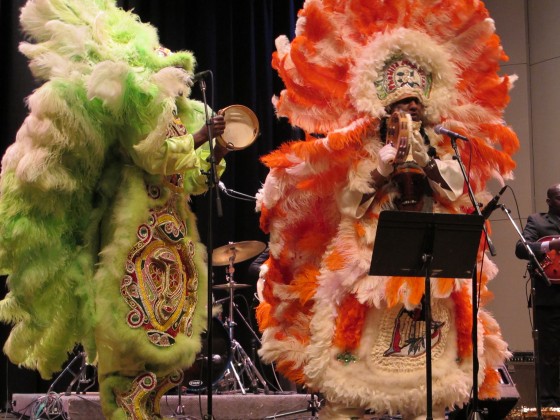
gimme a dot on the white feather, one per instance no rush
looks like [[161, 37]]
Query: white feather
[[106, 82]]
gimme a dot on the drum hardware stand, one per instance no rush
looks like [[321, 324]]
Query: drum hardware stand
[[80, 378], [179, 412], [253, 333], [212, 181], [239, 356]]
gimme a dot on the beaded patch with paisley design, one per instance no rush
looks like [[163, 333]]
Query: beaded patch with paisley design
[[164, 384], [134, 401], [161, 280]]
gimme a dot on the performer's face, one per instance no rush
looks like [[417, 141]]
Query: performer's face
[[411, 106], [553, 199]]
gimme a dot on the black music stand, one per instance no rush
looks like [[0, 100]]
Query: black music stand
[[428, 245]]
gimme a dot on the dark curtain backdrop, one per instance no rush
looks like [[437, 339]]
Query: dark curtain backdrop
[[233, 39]]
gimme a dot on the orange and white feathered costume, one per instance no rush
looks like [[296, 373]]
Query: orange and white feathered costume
[[325, 322]]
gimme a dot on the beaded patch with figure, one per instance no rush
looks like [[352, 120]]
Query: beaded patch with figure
[[409, 334], [403, 336], [161, 278]]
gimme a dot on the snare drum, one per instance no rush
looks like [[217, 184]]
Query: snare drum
[[195, 379], [242, 127]]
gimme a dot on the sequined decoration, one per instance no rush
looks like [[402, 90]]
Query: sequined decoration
[[161, 280], [133, 402], [163, 386], [346, 358]]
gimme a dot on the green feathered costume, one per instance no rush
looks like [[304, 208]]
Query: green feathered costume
[[96, 236]]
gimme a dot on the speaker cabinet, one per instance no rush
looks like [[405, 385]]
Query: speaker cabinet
[[521, 367], [494, 409]]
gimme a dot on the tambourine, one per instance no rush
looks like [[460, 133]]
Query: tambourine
[[397, 135], [408, 176], [242, 127]]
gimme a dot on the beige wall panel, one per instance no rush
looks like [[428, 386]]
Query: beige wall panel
[[510, 303], [509, 17], [545, 112], [534, 115], [517, 116], [544, 18], [509, 306]]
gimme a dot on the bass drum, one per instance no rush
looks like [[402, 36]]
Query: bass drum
[[196, 378]]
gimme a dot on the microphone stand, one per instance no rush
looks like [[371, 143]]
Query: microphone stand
[[475, 413], [457, 156], [535, 269], [212, 181], [235, 194]]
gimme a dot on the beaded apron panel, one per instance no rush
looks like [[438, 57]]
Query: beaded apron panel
[[161, 280]]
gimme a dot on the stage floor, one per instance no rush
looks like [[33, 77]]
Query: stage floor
[[289, 406], [224, 407]]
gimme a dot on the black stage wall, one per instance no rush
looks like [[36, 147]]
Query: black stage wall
[[234, 39]]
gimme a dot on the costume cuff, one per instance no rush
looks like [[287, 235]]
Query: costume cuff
[[349, 203], [451, 173]]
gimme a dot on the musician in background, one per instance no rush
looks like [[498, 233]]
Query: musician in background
[[547, 299]]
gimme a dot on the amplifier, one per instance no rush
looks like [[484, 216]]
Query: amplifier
[[521, 368], [494, 409]]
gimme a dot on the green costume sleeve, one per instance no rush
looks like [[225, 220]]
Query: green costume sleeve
[[192, 113], [178, 154]]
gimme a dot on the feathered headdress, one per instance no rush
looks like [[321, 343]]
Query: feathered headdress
[[339, 67]]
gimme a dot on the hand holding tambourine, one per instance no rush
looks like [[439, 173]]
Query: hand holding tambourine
[[241, 127], [386, 158], [217, 125], [398, 129]]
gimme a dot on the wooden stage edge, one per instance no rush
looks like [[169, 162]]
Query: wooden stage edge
[[224, 406], [289, 406]]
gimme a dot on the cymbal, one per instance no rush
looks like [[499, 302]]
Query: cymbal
[[228, 286], [239, 251]]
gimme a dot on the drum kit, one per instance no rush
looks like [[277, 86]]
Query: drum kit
[[232, 369], [230, 364]]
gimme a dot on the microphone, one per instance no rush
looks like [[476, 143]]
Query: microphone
[[222, 187], [221, 300], [235, 194], [444, 131], [200, 75], [492, 204]]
